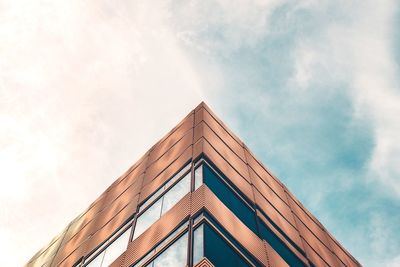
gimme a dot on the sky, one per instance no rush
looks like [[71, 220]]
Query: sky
[[312, 87]]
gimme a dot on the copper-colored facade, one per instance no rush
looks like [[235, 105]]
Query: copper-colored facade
[[284, 232]]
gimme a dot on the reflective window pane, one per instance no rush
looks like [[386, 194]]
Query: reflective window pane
[[176, 193], [165, 186], [151, 199], [151, 215], [174, 256], [177, 176], [229, 198], [161, 245], [198, 177], [225, 255], [198, 244], [116, 248], [97, 261], [167, 201]]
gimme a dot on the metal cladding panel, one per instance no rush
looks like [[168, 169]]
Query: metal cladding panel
[[323, 251], [314, 257], [199, 133], [121, 209], [111, 226], [152, 185], [133, 172], [171, 132], [171, 140], [204, 263], [133, 177], [274, 200], [278, 219], [157, 231], [315, 227], [342, 254], [118, 262], [215, 118], [274, 259], [198, 148], [300, 208], [297, 240], [226, 168], [203, 115], [316, 231], [235, 227], [224, 150], [71, 258], [46, 255], [72, 245], [166, 159], [265, 175], [265, 190]]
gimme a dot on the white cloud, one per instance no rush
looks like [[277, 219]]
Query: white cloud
[[358, 50], [85, 88], [222, 26], [392, 262]]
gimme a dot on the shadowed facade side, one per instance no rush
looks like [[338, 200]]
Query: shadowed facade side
[[198, 197]]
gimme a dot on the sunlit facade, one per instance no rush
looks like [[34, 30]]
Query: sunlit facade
[[198, 197]]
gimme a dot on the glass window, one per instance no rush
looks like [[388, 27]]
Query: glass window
[[162, 205], [174, 256], [164, 187], [147, 218], [176, 193], [160, 245], [96, 262], [151, 199], [198, 244], [116, 248], [225, 255], [229, 198], [198, 177], [279, 246]]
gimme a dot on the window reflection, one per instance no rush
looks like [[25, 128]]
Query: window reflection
[[174, 256], [162, 205], [198, 244], [176, 193], [161, 245], [96, 262], [164, 187], [198, 177], [112, 252], [148, 218], [116, 248]]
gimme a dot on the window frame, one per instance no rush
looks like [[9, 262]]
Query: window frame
[[166, 190], [164, 246], [229, 184], [178, 176], [126, 226], [205, 220]]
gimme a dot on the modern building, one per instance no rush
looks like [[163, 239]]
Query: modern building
[[198, 197]]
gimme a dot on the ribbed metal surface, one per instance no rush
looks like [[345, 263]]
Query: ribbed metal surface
[[158, 231], [199, 133], [204, 263]]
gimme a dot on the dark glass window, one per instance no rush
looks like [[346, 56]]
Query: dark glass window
[[218, 251], [229, 198], [228, 236], [279, 246]]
